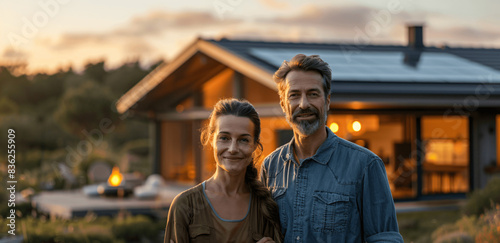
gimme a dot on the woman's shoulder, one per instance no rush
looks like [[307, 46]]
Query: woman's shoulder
[[188, 195]]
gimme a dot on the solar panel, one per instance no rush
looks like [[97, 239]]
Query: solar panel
[[390, 66]]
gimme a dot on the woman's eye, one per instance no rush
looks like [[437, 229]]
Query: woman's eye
[[245, 140], [223, 138]]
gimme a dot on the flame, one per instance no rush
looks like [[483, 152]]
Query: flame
[[115, 179]]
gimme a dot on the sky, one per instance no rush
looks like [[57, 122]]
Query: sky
[[48, 35]]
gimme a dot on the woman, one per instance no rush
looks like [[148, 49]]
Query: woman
[[231, 206]]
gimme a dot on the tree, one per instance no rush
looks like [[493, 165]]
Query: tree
[[7, 106], [95, 71], [44, 87], [124, 78], [84, 108], [13, 87]]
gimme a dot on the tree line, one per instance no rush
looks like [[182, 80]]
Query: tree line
[[51, 111]]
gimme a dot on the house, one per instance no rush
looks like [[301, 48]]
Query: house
[[430, 113]]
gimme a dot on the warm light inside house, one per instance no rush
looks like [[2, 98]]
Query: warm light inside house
[[356, 126], [115, 179], [446, 160], [334, 127]]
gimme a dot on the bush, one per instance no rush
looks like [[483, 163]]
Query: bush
[[85, 230], [489, 227], [485, 228], [134, 228], [482, 200], [40, 230]]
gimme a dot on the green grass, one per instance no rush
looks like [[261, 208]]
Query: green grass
[[417, 227]]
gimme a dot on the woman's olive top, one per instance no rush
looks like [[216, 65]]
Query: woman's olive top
[[191, 219]]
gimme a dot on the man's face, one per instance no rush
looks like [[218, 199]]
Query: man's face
[[304, 102]]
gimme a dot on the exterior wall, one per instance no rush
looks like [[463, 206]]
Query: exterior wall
[[257, 93], [176, 151], [484, 147], [218, 87]]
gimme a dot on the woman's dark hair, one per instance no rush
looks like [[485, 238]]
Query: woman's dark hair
[[242, 108]]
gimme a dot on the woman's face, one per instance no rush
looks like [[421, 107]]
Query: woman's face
[[233, 143]]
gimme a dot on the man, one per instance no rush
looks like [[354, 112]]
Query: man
[[327, 189]]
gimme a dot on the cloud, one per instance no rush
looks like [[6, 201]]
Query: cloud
[[332, 17], [13, 54], [463, 35], [153, 24], [275, 4], [467, 32], [139, 47], [158, 21], [343, 24]]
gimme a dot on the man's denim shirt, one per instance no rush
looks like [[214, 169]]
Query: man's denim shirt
[[341, 194]]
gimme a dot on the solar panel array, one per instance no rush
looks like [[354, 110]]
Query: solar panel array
[[351, 65]]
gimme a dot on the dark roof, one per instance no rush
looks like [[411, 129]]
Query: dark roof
[[465, 68], [486, 56]]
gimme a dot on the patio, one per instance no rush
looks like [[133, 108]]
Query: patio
[[70, 204]]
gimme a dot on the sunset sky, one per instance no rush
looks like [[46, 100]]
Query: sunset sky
[[50, 34]]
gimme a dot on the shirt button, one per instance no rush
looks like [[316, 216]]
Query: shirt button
[[298, 238]]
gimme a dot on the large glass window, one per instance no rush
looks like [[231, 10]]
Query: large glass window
[[388, 136], [446, 157]]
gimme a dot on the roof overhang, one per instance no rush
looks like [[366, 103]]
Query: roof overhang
[[137, 93]]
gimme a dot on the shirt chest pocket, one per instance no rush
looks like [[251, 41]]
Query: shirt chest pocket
[[199, 233], [330, 212]]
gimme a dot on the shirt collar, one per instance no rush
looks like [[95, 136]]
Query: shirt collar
[[324, 153]]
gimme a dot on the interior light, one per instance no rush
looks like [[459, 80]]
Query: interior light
[[356, 126], [334, 127]]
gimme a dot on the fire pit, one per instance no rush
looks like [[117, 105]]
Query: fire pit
[[115, 187]]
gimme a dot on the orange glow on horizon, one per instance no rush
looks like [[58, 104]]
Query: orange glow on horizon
[[115, 179]]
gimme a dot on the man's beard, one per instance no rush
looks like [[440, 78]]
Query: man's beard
[[307, 127]]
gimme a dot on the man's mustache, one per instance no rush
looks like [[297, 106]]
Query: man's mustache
[[299, 112]]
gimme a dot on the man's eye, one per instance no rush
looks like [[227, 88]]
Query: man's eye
[[314, 94]]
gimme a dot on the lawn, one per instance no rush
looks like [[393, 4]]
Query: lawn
[[418, 226]]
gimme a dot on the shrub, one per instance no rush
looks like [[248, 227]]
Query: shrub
[[85, 230], [482, 200], [53, 231], [485, 228], [489, 229], [134, 228]]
